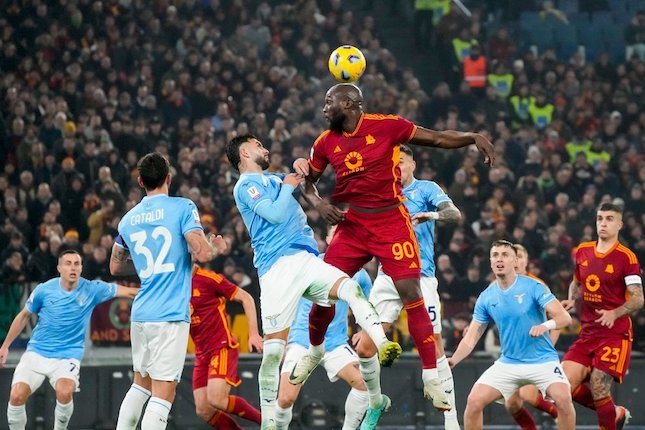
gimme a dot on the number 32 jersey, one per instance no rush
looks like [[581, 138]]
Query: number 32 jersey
[[153, 231]]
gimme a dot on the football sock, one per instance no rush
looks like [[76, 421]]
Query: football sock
[[364, 313], [243, 409], [524, 419], [606, 412], [222, 421], [422, 333], [319, 319], [448, 385], [156, 415], [17, 417], [355, 407], [545, 405], [269, 376], [62, 414], [283, 416], [371, 372], [582, 395], [132, 407]]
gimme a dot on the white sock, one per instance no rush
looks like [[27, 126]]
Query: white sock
[[131, 407], [448, 385], [317, 350], [269, 376], [17, 417], [371, 372], [355, 406], [156, 415], [283, 416], [429, 374], [62, 414], [364, 313]]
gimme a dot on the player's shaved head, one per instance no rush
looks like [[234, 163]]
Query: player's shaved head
[[350, 91]]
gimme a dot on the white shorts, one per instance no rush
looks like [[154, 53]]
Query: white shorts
[[333, 361], [388, 304], [33, 368], [290, 278], [159, 349], [508, 378]]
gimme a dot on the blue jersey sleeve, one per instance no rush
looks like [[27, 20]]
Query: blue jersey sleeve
[[364, 280], [542, 294], [257, 197], [480, 314], [434, 195], [190, 218], [35, 300], [103, 291]]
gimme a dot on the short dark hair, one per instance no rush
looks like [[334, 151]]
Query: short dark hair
[[67, 252], [233, 149], [407, 150], [153, 170], [611, 207], [502, 242]]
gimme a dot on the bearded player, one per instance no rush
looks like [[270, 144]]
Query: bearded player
[[608, 280], [364, 151]]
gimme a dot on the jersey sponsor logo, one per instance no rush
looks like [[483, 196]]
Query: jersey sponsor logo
[[609, 268], [520, 298], [337, 149], [253, 192], [369, 139], [119, 312], [592, 283], [353, 160]]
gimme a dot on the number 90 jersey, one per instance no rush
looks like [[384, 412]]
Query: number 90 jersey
[[153, 231]]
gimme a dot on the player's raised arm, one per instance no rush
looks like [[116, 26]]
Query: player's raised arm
[[451, 139], [203, 249], [120, 262], [247, 302], [446, 211], [468, 343], [17, 326], [558, 318]]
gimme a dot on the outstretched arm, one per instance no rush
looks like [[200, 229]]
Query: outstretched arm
[[446, 211], [203, 249], [255, 340], [126, 292], [451, 139], [468, 343], [17, 326]]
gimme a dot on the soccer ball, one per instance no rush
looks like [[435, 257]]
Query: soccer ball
[[347, 63]]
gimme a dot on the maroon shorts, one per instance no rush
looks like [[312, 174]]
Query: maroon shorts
[[609, 354], [388, 236], [221, 364]]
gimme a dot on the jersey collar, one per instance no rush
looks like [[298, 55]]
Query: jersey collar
[[358, 126], [411, 183]]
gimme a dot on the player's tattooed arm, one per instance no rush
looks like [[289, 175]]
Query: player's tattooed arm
[[600, 384], [446, 211], [634, 303], [203, 249], [330, 213], [451, 139], [574, 295], [120, 262]]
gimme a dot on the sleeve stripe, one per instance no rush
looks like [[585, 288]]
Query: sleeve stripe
[[629, 253], [414, 131], [311, 164]]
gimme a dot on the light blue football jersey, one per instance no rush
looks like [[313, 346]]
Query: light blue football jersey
[[272, 240], [63, 316], [515, 311], [153, 232], [337, 331], [425, 196]]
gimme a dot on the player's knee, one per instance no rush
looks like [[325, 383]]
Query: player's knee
[[218, 400], [408, 289], [64, 396], [204, 412], [19, 395], [475, 402], [514, 404]]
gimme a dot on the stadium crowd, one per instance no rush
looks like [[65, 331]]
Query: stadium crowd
[[88, 87]]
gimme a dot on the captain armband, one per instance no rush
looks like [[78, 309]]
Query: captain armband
[[633, 279]]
